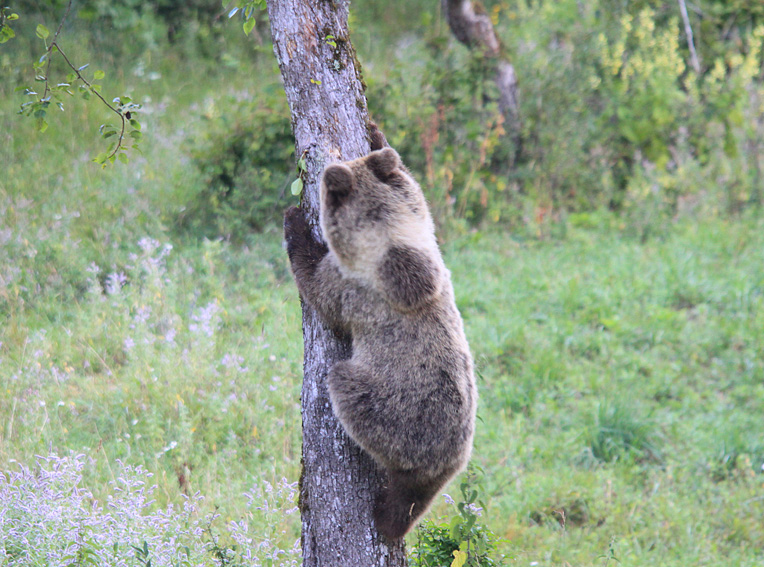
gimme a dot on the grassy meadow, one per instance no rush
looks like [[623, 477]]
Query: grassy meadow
[[621, 371]]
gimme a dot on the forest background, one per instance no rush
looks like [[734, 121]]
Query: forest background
[[609, 268]]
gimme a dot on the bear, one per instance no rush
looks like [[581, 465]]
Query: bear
[[407, 395]]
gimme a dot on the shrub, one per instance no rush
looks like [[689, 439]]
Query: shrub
[[444, 121], [47, 517], [245, 157], [462, 541], [614, 118]]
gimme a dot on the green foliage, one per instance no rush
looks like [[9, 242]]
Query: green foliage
[[6, 31], [247, 10], [445, 122], [38, 107], [611, 117], [462, 541], [607, 96], [148, 20], [244, 154]]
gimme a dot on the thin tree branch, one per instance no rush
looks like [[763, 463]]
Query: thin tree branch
[[45, 95], [122, 117], [694, 61], [53, 43]]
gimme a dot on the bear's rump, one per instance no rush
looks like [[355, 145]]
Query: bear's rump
[[403, 427]]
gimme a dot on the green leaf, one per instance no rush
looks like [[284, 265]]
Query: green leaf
[[460, 558], [42, 31], [123, 158], [455, 527], [98, 75], [249, 25], [135, 124], [42, 125], [297, 187], [6, 34], [468, 525]]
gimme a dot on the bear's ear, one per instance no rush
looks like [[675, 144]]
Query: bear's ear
[[338, 180], [383, 162]]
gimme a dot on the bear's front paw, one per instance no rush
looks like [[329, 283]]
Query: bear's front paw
[[299, 239], [295, 223], [377, 139]]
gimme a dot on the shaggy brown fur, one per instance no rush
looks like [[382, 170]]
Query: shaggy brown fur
[[407, 395]]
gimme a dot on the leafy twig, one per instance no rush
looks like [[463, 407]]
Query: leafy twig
[[6, 32], [52, 45], [122, 107], [122, 116]]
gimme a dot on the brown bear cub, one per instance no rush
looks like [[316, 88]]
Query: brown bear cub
[[407, 395]]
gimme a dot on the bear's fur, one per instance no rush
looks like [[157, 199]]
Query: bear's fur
[[407, 395]]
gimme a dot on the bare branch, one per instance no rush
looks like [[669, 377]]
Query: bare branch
[[694, 61]]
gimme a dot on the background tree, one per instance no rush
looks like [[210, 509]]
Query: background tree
[[322, 80], [471, 25]]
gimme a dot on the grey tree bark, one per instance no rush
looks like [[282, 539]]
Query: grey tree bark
[[472, 26], [325, 91]]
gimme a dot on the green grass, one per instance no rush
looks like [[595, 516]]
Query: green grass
[[621, 382], [627, 376]]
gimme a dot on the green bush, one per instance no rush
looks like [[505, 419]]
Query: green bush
[[461, 542], [245, 157], [614, 118], [444, 120]]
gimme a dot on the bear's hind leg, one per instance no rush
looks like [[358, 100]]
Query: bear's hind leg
[[403, 501], [356, 403]]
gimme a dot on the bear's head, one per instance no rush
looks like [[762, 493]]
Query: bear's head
[[370, 205]]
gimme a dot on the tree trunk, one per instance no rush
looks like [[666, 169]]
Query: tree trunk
[[472, 26], [323, 84]]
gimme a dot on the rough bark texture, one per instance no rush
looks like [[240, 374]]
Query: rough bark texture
[[472, 26], [329, 118]]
